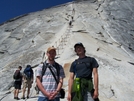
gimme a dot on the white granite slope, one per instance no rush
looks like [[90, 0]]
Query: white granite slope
[[105, 27]]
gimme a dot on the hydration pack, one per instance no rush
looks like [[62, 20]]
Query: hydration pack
[[28, 72]]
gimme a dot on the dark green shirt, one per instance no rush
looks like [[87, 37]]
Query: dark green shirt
[[82, 67]]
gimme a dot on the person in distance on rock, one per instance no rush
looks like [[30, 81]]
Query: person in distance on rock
[[17, 82], [28, 76]]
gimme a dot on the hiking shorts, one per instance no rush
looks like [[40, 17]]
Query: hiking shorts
[[17, 84], [27, 84]]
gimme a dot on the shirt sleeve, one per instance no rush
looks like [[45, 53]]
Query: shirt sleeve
[[72, 68], [39, 70], [94, 63], [62, 73]]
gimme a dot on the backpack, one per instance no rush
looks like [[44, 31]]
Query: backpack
[[28, 72], [17, 75]]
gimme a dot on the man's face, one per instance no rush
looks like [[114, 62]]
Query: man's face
[[79, 50], [51, 55]]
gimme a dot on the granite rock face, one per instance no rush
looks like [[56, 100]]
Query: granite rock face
[[105, 27]]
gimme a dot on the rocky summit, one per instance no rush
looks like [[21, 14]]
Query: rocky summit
[[105, 27]]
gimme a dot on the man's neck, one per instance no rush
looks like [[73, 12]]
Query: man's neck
[[82, 56], [51, 61]]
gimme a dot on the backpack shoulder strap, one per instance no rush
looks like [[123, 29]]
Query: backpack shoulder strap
[[57, 66], [44, 67], [57, 81]]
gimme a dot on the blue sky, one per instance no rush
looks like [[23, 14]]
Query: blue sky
[[13, 8]]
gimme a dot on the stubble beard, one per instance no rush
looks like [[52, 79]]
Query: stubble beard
[[51, 59]]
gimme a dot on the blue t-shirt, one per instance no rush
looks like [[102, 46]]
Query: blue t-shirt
[[82, 67]]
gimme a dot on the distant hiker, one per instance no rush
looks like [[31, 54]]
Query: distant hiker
[[27, 80], [70, 23], [17, 82], [50, 77], [81, 87], [72, 18]]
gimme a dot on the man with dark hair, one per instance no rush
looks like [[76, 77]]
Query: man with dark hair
[[82, 88], [17, 82], [49, 88]]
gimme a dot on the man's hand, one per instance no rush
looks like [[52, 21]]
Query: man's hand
[[96, 94], [53, 95], [69, 97]]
